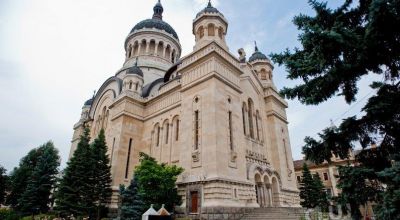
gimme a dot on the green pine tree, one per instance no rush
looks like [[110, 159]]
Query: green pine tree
[[322, 198], [75, 188], [132, 206], [36, 197], [307, 192], [3, 184], [338, 48], [389, 208], [157, 183], [101, 174]]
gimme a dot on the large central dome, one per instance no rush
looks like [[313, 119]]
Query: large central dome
[[156, 22]]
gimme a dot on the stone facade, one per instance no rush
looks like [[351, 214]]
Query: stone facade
[[219, 118]]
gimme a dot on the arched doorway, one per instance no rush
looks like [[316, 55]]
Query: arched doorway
[[258, 188], [267, 189], [275, 192]]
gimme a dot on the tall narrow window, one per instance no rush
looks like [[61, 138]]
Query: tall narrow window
[[177, 130], [230, 130], [196, 130], [258, 129], [158, 136], [251, 118], [244, 119], [166, 132], [130, 85], [128, 156], [112, 151]]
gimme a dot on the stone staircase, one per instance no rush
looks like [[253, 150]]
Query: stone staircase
[[274, 213]]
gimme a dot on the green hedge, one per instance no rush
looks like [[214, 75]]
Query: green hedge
[[8, 214]]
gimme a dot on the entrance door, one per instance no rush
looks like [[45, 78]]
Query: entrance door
[[194, 197]]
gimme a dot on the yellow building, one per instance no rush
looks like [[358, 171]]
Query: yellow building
[[328, 173], [216, 114]]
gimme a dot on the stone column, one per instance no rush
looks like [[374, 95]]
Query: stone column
[[147, 47]]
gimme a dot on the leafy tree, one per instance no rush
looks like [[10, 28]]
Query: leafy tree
[[132, 205], [73, 196], [19, 178], [36, 197], [157, 182], [101, 174], [3, 184], [339, 47]]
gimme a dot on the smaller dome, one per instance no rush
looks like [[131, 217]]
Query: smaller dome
[[257, 55], [209, 9], [135, 70], [89, 102]]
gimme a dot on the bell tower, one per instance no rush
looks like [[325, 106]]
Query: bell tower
[[210, 25]]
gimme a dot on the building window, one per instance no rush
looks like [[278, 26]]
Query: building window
[[250, 117], [230, 130], [196, 130], [128, 156], [244, 118], [112, 151], [158, 136], [257, 127], [211, 30], [326, 176], [235, 193], [299, 179], [201, 32], [177, 130], [130, 85], [166, 132], [220, 32]]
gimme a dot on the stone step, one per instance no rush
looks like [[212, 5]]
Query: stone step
[[278, 213]]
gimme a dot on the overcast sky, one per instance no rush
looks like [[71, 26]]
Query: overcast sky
[[55, 53]]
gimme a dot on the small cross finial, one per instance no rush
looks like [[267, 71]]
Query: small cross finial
[[209, 3], [94, 93], [137, 58], [255, 44]]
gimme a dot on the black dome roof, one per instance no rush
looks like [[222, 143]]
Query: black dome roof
[[135, 71], [89, 102], [257, 55], [208, 9], [155, 23]]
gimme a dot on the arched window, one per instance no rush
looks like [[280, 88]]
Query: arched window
[[130, 84], [143, 47], [166, 134], [211, 30], [103, 116], [201, 32], [160, 49], [152, 47], [136, 49], [244, 113], [173, 56], [176, 127], [129, 51], [168, 52], [136, 86], [220, 32], [250, 117], [157, 131], [263, 74], [257, 125]]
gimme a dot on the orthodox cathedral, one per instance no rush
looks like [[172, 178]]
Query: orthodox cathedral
[[217, 115]]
